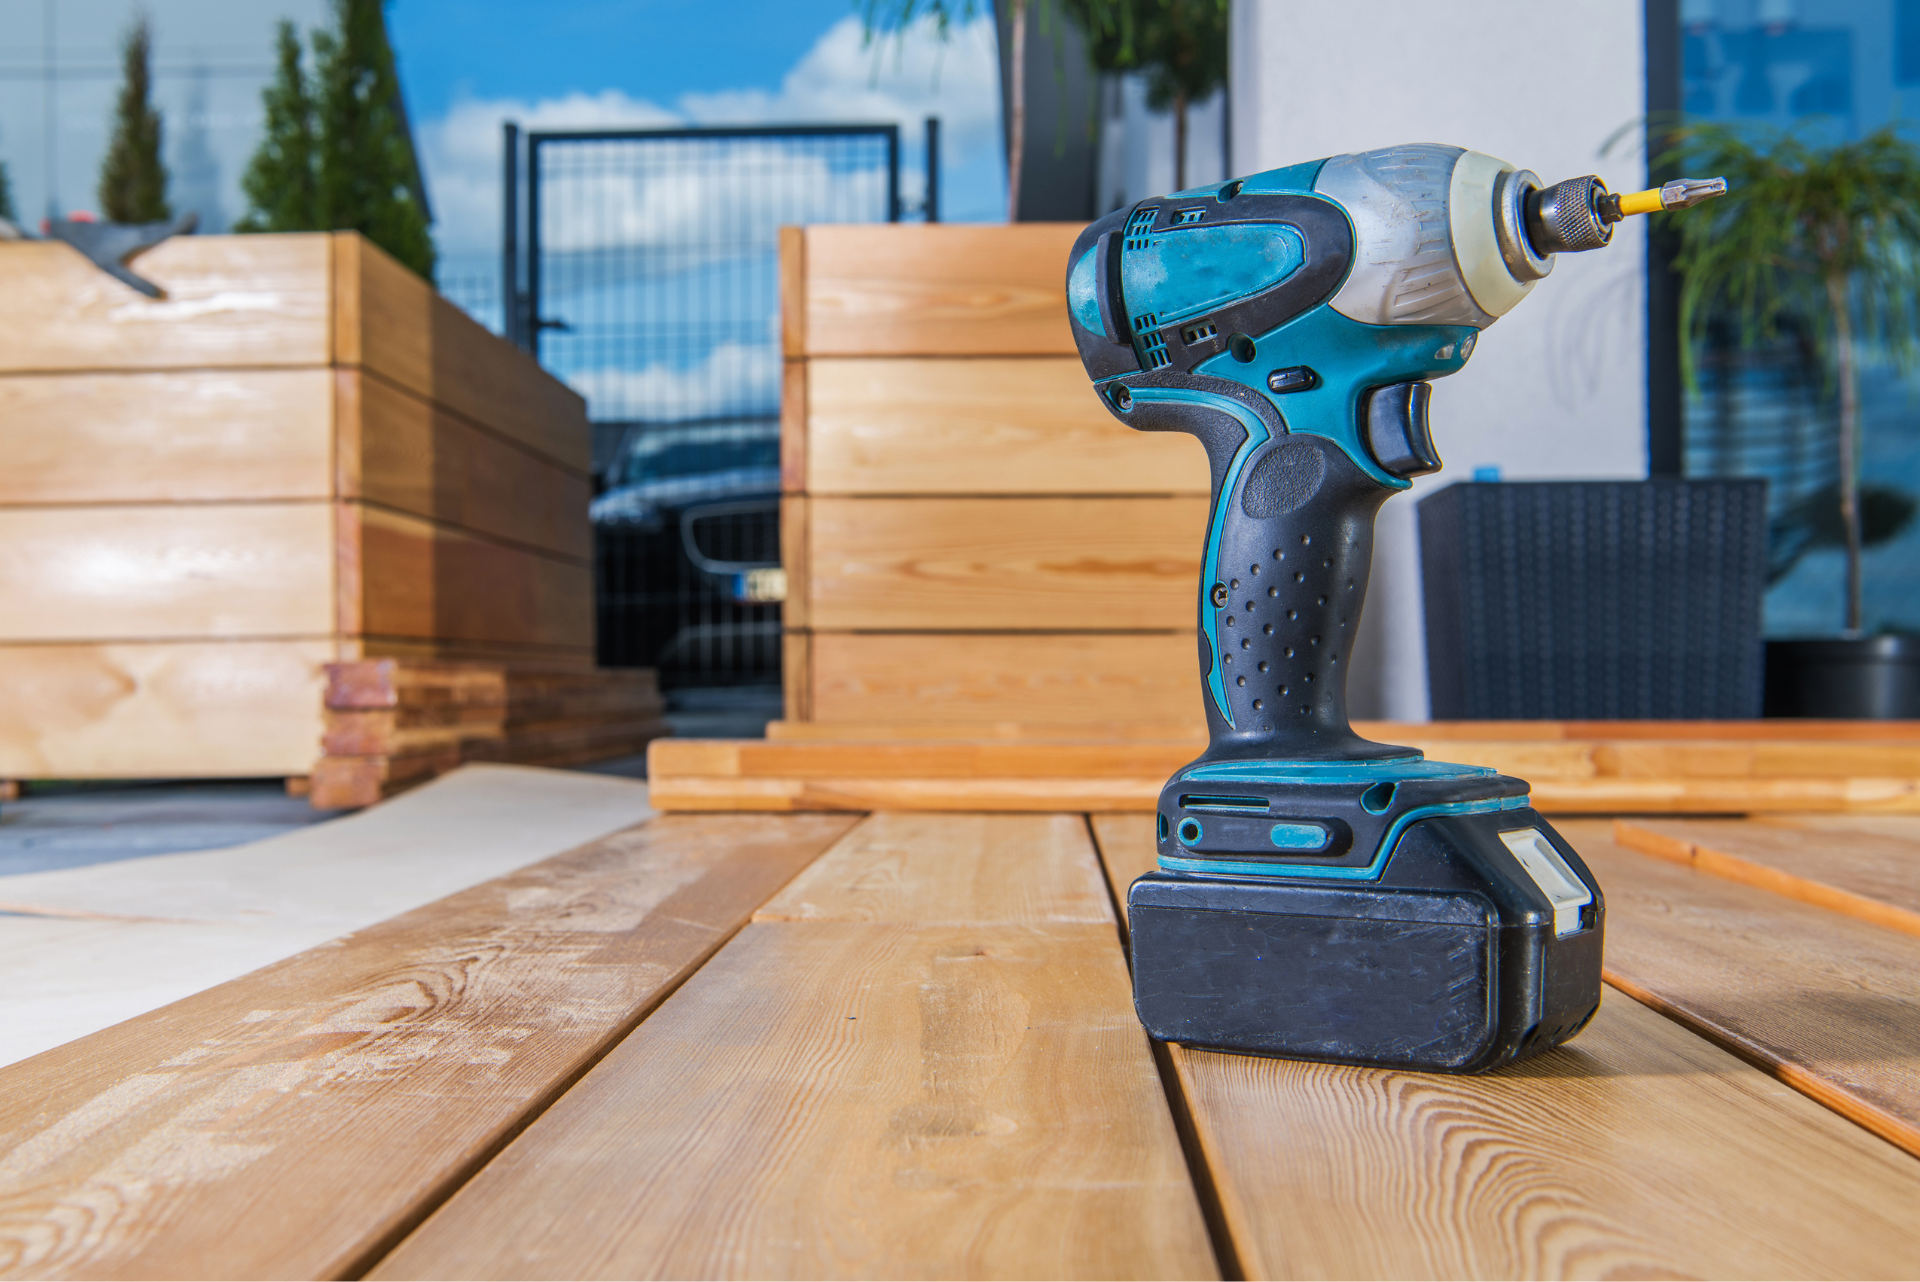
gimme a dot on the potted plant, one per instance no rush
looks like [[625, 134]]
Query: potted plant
[[1824, 237]]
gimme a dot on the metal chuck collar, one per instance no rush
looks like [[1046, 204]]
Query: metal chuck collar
[[1579, 214]]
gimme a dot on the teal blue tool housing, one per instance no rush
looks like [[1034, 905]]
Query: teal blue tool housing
[[1319, 894]]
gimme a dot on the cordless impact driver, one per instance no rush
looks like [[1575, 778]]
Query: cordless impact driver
[[1320, 896]]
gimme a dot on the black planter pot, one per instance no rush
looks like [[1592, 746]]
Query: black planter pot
[[1863, 679]]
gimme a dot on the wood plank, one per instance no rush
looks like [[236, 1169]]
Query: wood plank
[[838, 1099], [424, 580], [166, 437], [796, 557], [1005, 677], [952, 870], [156, 571], [191, 709], [794, 730], [1011, 794], [982, 564], [796, 674], [1875, 878], [982, 425], [403, 452], [793, 292], [1636, 1150], [391, 683], [793, 426], [1639, 1150], [454, 650], [946, 289], [372, 1074], [393, 323], [231, 302], [1828, 1005]]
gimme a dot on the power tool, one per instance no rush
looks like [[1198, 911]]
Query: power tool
[[1320, 896]]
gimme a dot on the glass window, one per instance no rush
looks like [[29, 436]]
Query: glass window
[[1846, 67]]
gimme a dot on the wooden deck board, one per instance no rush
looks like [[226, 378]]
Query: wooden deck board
[[872, 1096], [1872, 875], [998, 869], [1828, 1004], [296, 1121], [1637, 1150], [844, 1099]]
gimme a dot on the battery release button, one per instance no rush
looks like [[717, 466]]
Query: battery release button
[[1563, 889]]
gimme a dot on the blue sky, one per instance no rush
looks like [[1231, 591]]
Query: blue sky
[[468, 65], [653, 49]]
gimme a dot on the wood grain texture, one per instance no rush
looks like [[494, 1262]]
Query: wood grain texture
[[166, 437], [796, 558], [1638, 1150], [231, 302], [1828, 1005], [1870, 876], [403, 452], [392, 683], [838, 1099], [792, 730], [371, 1074], [793, 292], [194, 709], [984, 774], [430, 581], [952, 870], [983, 425], [391, 322], [947, 289], [793, 426], [796, 675], [984, 564], [986, 677], [147, 572]]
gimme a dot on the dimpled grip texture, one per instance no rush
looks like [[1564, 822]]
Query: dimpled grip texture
[[1295, 550]]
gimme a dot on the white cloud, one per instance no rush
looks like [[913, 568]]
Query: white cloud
[[840, 79], [735, 378]]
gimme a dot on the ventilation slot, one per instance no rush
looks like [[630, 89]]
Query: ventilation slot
[[1153, 350], [1140, 228], [1198, 333], [1182, 217]]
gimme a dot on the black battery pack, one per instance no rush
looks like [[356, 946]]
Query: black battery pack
[[1478, 944]]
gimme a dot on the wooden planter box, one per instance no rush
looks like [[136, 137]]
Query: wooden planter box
[[301, 455], [968, 535]]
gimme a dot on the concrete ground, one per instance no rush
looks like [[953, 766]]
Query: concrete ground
[[74, 825]]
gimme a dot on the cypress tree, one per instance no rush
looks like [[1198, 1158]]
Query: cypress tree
[[133, 181], [279, 182], [367, 177]]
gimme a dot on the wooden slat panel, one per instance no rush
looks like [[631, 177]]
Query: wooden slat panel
[[952, 870], [154, 571], [1828, 1005], [796, 557], [1872, 877], [166, 437], [392, 322], [402, 452], [798, 731], [431, 581], [579, 658], [185, 709], [987, 678], [231, 301], [371, 1074], [1637, 1150], [981, 426], [981, 564], [833, 1099], [941, 290]]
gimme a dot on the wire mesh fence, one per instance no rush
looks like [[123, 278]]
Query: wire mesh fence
[[650, 283]]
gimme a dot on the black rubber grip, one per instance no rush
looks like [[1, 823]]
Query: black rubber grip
[[1295, 550]]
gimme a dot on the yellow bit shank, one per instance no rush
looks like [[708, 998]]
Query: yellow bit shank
[[1641, 202]]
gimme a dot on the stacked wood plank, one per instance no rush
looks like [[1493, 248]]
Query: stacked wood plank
[[703, 1047], [394, 723], [1574, 767], [301, 455], [968, 536]]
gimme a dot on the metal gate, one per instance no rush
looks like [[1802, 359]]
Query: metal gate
[[650, 283]]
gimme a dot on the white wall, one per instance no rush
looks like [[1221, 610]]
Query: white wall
[[1557, 389]]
